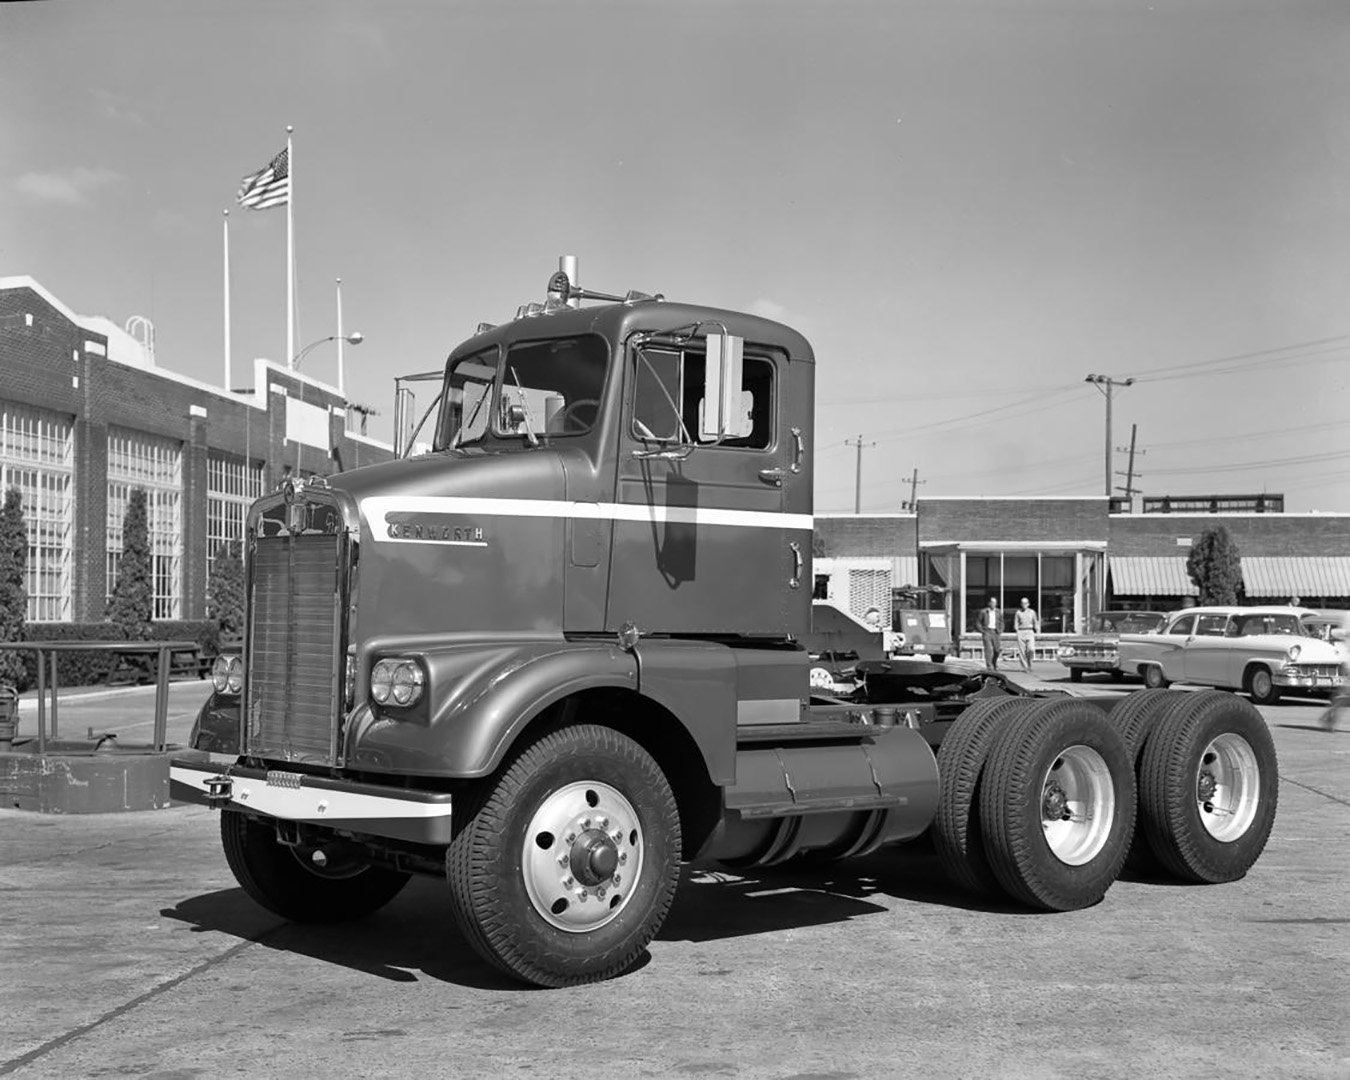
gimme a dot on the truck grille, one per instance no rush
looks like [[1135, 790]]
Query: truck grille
[[295, 648]]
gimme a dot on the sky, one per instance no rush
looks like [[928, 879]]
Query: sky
[[967, 208]]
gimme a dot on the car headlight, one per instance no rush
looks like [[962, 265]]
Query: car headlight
[[396, 682], [1294, 651], [227, 674], [1066, 650]]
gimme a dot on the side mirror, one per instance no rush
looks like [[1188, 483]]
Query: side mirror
[[723, 415]]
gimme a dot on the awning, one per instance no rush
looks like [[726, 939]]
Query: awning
[[1150, 575], [1296, 575]]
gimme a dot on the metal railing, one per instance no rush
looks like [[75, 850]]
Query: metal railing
[[47, 652]]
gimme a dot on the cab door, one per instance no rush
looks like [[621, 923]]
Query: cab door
[[699, 544]]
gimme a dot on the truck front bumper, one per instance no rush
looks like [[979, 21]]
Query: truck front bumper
[[422, 817]]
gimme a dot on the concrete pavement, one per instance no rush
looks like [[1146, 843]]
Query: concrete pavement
[[129, 950]]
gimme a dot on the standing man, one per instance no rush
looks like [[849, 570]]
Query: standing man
[[1026, 622], [991, 628]]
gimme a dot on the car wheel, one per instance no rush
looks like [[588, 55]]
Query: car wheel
[[564, 869], [1209, 787], [1057, 806], [1261, 686], [319, 883], [961, 761], [1154, 678], [1075, 674]]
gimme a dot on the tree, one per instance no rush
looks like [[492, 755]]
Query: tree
[[133, 600], [225, 592], [1215, 566], [13, 587]]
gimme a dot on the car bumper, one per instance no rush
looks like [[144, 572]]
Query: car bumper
[[422, 817], [1309, 682], [1089, 664]]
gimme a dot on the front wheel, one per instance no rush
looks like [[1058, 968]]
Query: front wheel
[[317, 883], [1154, 678], [564, 870], [1261, 686], [1075, 674]]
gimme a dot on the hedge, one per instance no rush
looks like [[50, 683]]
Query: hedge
[[83, 668]]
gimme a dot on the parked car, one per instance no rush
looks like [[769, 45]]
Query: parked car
[[1262, 651], [1098, 649]]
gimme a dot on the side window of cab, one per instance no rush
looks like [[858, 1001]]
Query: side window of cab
[[1183, 626], [670, 397]]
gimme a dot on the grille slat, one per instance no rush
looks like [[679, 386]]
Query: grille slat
[[294, 651]]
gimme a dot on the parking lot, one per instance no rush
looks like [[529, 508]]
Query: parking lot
[[129, 950]]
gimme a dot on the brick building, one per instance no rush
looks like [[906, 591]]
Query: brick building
[[86, 416], [1074, 556]]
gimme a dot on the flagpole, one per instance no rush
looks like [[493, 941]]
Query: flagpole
[[340, 341], [226, 279], [290, 250]]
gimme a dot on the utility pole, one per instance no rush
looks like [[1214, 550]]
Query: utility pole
[[914, 482], [1107, 384], [1130, 476], [857, 482]]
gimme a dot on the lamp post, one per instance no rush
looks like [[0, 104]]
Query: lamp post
[[354, 338]]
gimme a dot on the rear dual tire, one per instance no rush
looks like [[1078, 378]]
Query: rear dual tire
[[1037, 802]]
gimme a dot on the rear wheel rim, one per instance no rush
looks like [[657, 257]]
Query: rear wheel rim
[[581, 856], [1078, 805], [1228, 787]]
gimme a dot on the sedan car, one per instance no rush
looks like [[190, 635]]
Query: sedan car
[[1099, 648], [1262, 651]]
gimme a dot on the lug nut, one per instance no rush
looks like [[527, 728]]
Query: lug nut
[[602, 823], [616, 836], [600, 892], [616, 879], [623, 857], [582, 894], [585, 823], [568, 881], [570, 838]]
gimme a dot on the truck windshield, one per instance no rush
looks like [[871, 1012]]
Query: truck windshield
[[539, 389]]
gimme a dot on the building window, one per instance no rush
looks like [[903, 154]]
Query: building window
[[1046, 580], [231, 486], [137, 460], [37, 454]]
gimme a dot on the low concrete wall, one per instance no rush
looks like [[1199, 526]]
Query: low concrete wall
[[87, 781]]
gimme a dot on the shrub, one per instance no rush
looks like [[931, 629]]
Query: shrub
[[132, 605], [225, 593], [13, 587], [1215, 566]]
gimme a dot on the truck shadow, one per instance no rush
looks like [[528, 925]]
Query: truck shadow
[[415, 936], [716, 901]]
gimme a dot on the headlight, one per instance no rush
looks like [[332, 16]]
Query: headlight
[[1066, 650], [1294, 651], [397, 682], [227, 674]]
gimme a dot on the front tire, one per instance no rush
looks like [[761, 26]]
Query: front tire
[[1058, 806], [565, 869], [289, 881], [1209, 787], [1154, 678], [1075, 674], [1261, 686]]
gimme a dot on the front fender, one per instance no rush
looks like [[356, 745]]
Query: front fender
[[217, 726], [480, 697]]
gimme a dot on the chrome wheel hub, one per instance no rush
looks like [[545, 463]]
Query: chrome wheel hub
[[1228, 787], [583, 849], [1078, 805]]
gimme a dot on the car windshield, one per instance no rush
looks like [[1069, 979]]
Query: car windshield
[[1125, 622], [541, 389]]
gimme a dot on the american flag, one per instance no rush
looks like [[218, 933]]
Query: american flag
[[267, 187]]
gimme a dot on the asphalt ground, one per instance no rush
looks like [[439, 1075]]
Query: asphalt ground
[[130, 951]]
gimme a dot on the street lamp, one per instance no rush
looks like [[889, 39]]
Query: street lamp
[[354, 338]]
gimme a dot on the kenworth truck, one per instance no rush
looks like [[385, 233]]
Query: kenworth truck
[[560, 653]]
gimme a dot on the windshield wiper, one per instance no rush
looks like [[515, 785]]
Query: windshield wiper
[[487, 393], [525, 409]]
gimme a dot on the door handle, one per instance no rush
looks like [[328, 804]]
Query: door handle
[[772, 477], [795, 581]]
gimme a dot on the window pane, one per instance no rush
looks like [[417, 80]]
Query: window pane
[[37, 458]]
